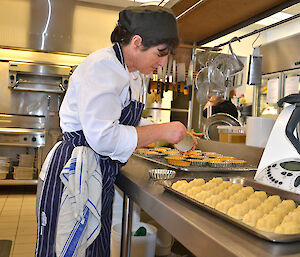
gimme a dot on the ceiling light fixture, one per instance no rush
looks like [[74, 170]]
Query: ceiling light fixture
[[273, 18]]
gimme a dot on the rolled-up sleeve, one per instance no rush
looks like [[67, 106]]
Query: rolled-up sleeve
[[100, 107]]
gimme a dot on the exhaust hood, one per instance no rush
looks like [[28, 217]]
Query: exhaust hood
[[281, 55], [51, 24]]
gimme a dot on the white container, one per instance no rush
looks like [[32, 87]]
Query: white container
[[141, 246], [164, 240], [258, 130]]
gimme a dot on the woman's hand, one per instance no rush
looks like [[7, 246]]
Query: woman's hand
[[173, 132]]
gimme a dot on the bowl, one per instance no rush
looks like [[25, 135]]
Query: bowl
[[186, 144], [162, 173]]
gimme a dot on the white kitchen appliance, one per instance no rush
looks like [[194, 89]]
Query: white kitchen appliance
[[280, 163]]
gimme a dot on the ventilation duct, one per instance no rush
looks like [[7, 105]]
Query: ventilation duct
[[51, 24], [281, 55]]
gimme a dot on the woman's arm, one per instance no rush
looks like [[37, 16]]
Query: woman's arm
[[171, 132]]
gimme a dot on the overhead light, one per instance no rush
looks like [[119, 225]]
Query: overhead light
[[273, 18]]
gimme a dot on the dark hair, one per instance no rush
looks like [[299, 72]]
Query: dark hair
[[120, 35], [124, 37]]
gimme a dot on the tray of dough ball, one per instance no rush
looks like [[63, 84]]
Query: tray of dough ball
[[195, 160], [264, 211]]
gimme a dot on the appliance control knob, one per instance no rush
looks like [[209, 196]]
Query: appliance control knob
[[297, 181], [33, 139], [25, 138]]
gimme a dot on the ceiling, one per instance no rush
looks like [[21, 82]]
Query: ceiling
[[211, 19]]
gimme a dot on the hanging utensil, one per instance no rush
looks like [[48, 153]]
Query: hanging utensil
[[174, 77], [189, 83], [255, 68], [239, 62], [150, 76], [169, 72], [203, 87], [180, 77], [163, 79], [146, 86], [159, 75]]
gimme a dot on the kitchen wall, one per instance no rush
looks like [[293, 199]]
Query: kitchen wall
[[91, 25]]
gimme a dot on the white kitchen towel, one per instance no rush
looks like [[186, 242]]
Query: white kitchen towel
[[79, 219]]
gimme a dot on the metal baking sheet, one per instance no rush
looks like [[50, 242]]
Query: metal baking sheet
[[256, 186], [162, 161]]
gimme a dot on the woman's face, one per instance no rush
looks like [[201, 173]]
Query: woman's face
[[148, 60]]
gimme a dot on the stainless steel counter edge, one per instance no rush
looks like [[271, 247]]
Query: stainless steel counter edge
[[200, 232]]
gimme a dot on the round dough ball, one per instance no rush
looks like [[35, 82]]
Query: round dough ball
[[202, 196], [253, 216], [262, 195], [194, 190], [291, 227], [288, 204], [183, 188], [224, 205], [252, 203], [197, 182], [292, 216], [178, 183], [238, 211], [238, 197], [213, 200], [268, 222], [216, 180], [273, 199]]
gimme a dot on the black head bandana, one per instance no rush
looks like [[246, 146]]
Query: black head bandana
[[149, 22]]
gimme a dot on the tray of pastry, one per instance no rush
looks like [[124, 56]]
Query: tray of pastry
[[267, 212], [193, 161]]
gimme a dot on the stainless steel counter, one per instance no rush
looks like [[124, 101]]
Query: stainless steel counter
[[202, 233]]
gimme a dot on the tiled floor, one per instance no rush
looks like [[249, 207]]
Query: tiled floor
[[18, 221]]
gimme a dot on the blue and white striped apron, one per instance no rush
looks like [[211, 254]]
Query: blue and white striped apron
[[53, 187]]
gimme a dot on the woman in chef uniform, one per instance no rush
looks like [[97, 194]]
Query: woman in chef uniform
[[101, 109]]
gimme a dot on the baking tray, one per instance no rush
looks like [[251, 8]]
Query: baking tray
[[245, 182], [162, 161]]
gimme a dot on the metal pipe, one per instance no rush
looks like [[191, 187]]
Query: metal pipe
[[129, 228], [124, 225], [191, 102]]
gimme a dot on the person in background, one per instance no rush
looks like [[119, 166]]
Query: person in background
[[219, 105], [101, 110]]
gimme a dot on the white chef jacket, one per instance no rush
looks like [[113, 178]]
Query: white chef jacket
[[97, 93]]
